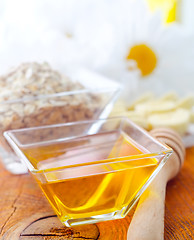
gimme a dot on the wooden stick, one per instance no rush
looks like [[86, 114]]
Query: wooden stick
[[148, 220]]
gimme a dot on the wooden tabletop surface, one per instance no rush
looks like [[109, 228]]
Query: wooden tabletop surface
[[25, 213]]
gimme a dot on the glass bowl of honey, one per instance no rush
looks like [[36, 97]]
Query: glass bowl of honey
[[90, 171]]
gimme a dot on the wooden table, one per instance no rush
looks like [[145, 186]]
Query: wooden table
[[26, 215]]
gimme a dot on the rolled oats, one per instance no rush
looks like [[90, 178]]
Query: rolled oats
[[29, 108], [27, 87]]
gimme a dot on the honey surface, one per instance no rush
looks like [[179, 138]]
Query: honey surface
[[92, 195]]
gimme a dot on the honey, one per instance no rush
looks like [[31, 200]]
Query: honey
[[92, 182]]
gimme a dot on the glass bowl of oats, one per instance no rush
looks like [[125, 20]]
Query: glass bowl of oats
[[34, 94]]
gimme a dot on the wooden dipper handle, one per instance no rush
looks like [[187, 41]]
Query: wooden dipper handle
[[148, 220]]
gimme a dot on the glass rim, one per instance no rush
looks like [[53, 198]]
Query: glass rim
[[62, 94], [116, 86], [16, 145]]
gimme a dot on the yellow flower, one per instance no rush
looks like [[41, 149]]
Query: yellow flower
[[162, 54], [145, 57]]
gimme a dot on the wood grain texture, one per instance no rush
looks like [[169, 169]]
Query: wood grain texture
[[179, 217], [22, 203]]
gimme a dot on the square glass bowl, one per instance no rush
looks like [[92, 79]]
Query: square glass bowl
[[94, 101], [90, 171]]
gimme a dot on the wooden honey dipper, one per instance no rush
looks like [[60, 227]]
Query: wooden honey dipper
[[148, 220]]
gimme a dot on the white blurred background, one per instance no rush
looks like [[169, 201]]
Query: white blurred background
[[100, 35]]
